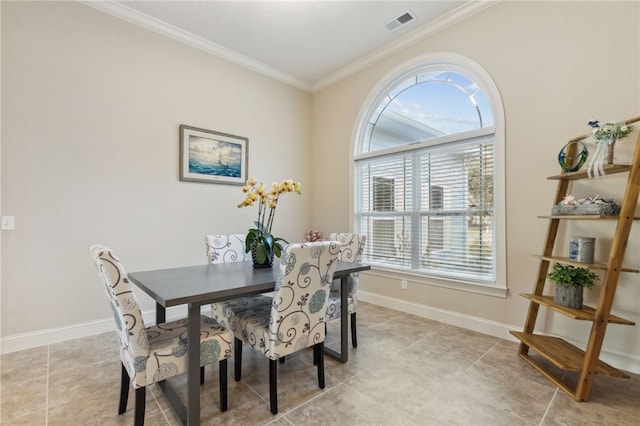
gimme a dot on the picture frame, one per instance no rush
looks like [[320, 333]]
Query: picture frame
[[213, 157]]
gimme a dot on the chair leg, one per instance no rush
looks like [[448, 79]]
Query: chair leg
[[223, 385], [273, 385], [317, 353], [202, 375], [141, 400], [124, 390], [319, 347], [354, 340], [237, 359], [281, 359]]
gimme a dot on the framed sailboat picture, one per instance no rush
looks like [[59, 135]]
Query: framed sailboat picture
[[208, 156]]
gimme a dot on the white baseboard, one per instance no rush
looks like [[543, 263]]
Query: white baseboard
[[622, 361], [18, 342]]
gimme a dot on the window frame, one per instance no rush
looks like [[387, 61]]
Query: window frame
[[465, 66]]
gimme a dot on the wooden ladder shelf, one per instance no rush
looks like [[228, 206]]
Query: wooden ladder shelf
[[559, 352]]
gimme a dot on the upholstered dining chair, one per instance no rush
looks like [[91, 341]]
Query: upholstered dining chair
[[222, 248], [294, 319], [155, 353], [351, 251], [226, 248]]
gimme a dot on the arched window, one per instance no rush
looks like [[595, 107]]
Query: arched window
[[429, 173]]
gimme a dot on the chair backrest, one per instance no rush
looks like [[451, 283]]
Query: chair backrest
[[299, 304], [226, 248], [134, 343], [352, 249]]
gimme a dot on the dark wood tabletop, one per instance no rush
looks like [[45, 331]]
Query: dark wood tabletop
[[204, 284]]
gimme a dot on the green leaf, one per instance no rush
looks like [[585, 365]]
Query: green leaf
[[261, 254], [572, 276], [251, 238]]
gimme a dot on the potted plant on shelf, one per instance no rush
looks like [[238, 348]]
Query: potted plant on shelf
[[570, 281]]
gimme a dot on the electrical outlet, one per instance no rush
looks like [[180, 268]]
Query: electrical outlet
[[403, 284], [8, 223]]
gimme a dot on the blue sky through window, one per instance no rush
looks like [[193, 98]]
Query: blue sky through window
[[447, 102]]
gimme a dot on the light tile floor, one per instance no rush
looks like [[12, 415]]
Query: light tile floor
[[406, 370]]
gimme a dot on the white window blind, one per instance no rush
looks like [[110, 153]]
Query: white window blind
[[431, 209]]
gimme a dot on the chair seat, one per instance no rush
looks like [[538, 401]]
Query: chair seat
[[334, 305], [230, 312], [167, 343]]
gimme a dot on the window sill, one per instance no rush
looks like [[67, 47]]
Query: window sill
[[467, 286]]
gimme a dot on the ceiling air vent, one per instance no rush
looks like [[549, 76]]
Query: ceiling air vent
[[399, 21]]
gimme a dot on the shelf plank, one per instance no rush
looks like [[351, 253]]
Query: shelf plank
[[596, 266], [609, 169], [546, 373], [583, 217], [586, 313], [563, 354]]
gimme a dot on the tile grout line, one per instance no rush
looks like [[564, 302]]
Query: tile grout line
[[484, 354], [322, 393], [546, 411], [163, 412], [553, 397]]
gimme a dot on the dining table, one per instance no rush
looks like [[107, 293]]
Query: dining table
[[199, 285]]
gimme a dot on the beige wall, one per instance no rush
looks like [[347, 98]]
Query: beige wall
[[556, 65], [90, 110]]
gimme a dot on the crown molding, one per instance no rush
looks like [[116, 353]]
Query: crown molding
[[128, 14], [120, 10], [455, 16]]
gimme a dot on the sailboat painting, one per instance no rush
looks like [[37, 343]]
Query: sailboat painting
[[213, 157], [208, 156]]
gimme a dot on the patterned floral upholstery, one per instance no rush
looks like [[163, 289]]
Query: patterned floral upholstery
[[226, 248], [294, 318], [352, 249], [152, 354]]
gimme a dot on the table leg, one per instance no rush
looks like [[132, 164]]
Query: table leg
[[343, 356], [161, 314], [183, 412], [175, 403], [193, 367]]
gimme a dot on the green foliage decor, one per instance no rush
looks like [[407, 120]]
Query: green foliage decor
[[573, 276]]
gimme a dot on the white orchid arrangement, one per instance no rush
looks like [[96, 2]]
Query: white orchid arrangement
[[610, 131]]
